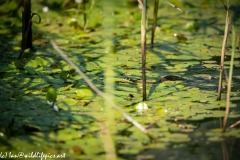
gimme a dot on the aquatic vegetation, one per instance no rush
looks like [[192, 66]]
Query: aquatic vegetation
[[181, 111]]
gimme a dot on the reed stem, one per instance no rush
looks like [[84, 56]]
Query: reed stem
[[143, 43]]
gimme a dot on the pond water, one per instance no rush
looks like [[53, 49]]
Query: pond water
[[183, 116]]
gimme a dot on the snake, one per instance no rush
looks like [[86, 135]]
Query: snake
[[166, 78]]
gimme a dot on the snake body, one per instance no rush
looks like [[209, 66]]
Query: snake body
[[166, 78]]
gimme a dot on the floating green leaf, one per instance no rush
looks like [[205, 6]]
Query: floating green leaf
[[19, 64], [40, 62], [30, 70], [84, 92], [56, 81], [64, 75]]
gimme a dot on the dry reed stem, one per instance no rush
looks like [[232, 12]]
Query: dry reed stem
[[223, 54], [229, 80], [235, 125]]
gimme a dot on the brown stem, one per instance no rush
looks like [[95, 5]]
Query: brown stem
[[143, 43], [223, 55], [26, 26]]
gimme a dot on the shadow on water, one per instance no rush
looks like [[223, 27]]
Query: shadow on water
[[225, 149]]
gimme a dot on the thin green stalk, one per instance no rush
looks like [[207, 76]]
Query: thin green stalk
[[84, 13], [156, 2], [108, 123], [143, 43], [230, 80], [89, 13]]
